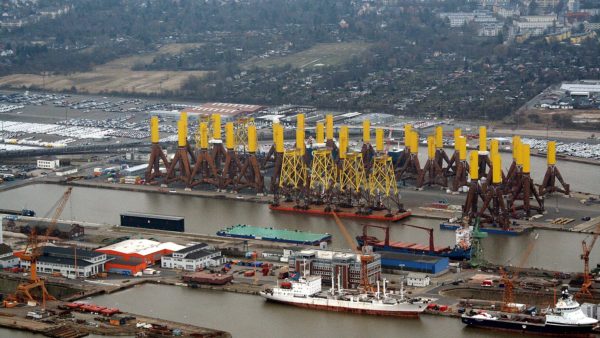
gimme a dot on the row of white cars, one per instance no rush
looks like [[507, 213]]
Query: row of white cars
[[575, 149], [5, 108]]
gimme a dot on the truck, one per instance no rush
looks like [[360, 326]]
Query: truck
[[283, 272], [131, 180], [487, 283]]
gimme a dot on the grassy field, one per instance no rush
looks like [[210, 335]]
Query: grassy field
[[321, 54], [112, 76]]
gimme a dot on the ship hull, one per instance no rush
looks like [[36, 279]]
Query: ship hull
[[350, 213], [455, 254], [492, 231], [404, 310], [523, 327]]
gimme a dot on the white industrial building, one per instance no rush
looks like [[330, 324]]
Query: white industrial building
[[7, 258], [193, 258], [69, 262], [583, 88], [137, 169], [66, 171], [48, 164], [419, 280]]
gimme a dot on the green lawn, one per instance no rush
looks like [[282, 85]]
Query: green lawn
[[326, 54]]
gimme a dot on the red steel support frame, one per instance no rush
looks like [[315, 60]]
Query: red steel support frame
[[179, 168], [549, 185], [205, 170], [153, 169]]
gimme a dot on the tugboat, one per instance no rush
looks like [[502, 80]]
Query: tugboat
[[565, 319], [306, 292]]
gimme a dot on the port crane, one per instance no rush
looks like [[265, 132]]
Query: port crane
[[509, 296], [33, 251], [477, 236], [365, 256], [585, 256]]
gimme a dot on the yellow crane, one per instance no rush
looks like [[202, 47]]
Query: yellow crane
[[33, 251]]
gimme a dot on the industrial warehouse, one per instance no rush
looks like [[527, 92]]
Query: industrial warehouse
[[69, 262], [193, 257]]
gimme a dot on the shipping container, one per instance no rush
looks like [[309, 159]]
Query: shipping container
[[150, 221]]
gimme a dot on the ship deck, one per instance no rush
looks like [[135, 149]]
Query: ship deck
[[282, 235], [319, 210], [412, 246]]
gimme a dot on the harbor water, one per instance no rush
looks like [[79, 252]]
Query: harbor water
[[207, 216], [251, 316]]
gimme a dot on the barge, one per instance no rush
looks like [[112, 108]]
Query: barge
[[274, 235], [201, 277], [154, 222], [318, 210], [493, 231]]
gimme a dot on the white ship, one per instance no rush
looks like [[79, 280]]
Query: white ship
[[307, 292], [565, 319]]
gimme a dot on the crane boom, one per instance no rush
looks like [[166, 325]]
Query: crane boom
[[33, 251], [509, 296], [429, 231], [595, 238], [58, 211], [585, 256], [526, 255], [365, 257], [345, 233]]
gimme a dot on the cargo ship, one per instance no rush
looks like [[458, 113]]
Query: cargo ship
[[274, 235], [307, 292], [565, 319], [460, 251]]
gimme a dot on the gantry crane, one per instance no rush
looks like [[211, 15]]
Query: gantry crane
[[509, 296], [33, 251], [365, 257], [585, 256]]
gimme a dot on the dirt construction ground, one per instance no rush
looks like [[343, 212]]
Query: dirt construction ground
[[112, 76]]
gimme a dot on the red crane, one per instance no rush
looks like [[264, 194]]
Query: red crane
[[585, 256], [33, 251], [509, 297]]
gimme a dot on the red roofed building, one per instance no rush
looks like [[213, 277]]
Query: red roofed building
[[134, 255]]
